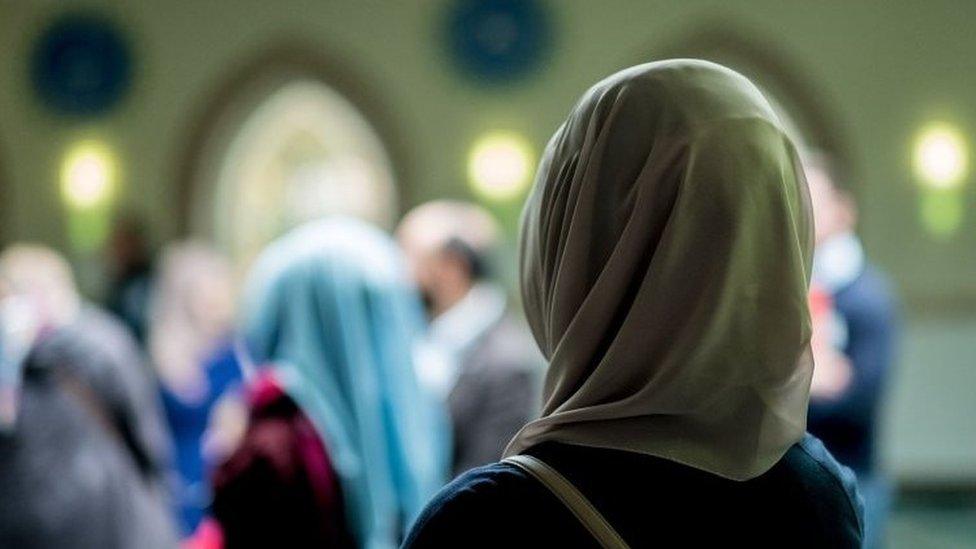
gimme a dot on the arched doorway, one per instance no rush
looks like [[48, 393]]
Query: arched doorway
[[285, 144]]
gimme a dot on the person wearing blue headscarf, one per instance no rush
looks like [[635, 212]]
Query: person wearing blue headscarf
[[330, 310]]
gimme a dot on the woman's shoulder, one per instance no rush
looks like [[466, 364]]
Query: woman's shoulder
[[467, 508], [833, 487], [478, 488], [819, 462]]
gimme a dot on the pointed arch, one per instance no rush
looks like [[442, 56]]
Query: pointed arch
[[228, 107]]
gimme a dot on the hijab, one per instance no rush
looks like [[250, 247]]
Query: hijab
[[330, 305], [665, 254]]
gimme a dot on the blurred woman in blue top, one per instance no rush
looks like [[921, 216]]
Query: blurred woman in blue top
[[190, 342], [330, 309]]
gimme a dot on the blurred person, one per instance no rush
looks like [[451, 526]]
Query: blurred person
[[665, 254], [191, 345], [79, 442], [130, 273], [342, 447], [490, 367], [859, 330], [98, 349]]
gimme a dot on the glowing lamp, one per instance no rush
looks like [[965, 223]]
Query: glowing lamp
[[87, 175], [940, 158], [500, 165]]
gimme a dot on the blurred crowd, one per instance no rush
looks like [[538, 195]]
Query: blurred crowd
[[348, 377], [325, 398]]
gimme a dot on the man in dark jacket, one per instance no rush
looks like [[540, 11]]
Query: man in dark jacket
[[860, 333], [486, 366]]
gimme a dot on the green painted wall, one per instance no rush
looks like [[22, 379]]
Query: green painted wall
[[882, 68]]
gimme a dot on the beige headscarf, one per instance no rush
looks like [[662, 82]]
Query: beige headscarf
[[665, 256]]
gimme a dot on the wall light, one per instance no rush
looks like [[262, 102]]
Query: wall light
[[500, 165], [940, 158], [87, 175]]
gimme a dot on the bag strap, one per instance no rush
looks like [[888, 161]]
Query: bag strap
[[575, 501]]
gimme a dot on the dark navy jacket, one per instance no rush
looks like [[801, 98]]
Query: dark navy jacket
[[806, 500], [848, 424]]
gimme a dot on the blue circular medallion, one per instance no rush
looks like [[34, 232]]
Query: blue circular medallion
[[498, 40], [81, 65]]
